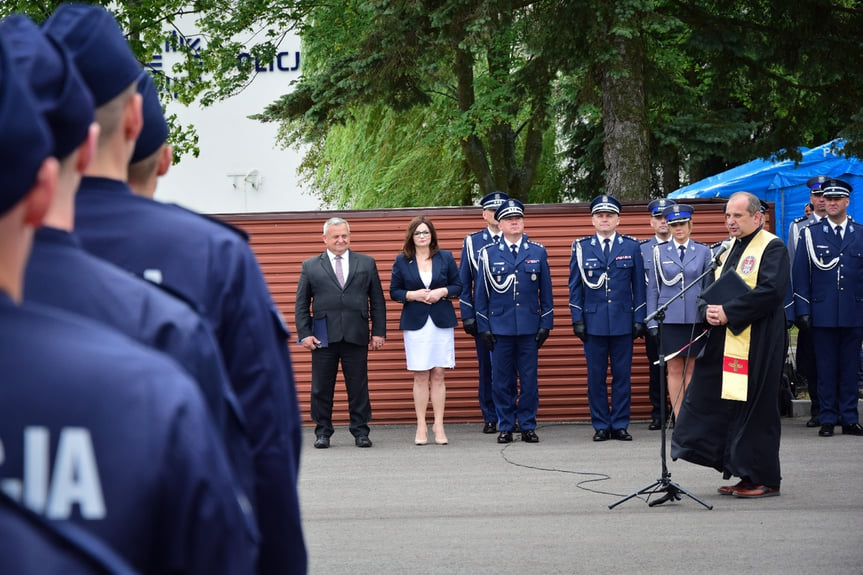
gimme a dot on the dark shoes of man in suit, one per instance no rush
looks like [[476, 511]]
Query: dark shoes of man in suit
[[489, 427], [601, 435], [621, 434], [813, 422], [826, 430], [322, 442], [363, 441], [654, 425], [855, 429], [505, 437]]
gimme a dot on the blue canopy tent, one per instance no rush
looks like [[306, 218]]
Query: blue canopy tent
[[784, 183]]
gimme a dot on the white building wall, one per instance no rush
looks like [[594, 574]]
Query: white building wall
[[240, 168]]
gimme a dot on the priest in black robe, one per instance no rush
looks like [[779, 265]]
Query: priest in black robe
[[740, 437]]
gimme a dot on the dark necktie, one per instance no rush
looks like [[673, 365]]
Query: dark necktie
[[682, 252], [838, 231], [514, 250], [496, 239], [340, 274], [607, 247]]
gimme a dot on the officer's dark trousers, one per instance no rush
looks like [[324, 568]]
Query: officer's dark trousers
[[514, 360], [325, 366], [805, 358], [836, 354], [486, 399], [599, 350]]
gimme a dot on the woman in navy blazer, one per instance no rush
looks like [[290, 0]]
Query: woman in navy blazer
[[677, 263], [425, 279]]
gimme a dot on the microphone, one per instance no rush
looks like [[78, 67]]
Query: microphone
[[723, 247]]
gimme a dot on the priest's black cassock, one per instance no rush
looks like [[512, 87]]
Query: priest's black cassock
[[740, 438]]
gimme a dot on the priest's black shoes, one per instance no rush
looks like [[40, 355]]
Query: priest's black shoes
[[322, 442], [505, 437], [654, 425], [854, 429], [601, 435], [813, 422], [621, 434], [826, 430], [529, 436], [489, 427], [363, 441]]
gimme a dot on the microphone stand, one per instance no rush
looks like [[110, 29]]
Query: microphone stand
[[664, 485]]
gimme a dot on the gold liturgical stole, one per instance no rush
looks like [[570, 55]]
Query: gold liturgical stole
[[735, 360]]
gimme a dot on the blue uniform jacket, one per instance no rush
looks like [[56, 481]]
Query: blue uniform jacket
[[113, 436], [467, 270], [828, 282], [29, 543], [683, 310], [513, 295], [406, 277], [61, 274], [214, 267], [608, 296]]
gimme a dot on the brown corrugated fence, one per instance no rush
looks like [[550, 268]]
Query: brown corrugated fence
[[282, 241]]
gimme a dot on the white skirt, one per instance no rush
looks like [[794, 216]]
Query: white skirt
[[428, 347]]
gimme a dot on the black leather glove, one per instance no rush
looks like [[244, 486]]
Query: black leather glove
[[488, 339], [541, 336], [579, 330], [788, 324], [653, 332], [469, 326], [638, 330], [804, 322]]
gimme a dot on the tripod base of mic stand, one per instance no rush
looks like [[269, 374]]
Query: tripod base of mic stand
[[671, 491]]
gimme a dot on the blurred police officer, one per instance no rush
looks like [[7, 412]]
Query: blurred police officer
[[514, 315], [607, 301], [132, 453], [661, 234], [828, 299], [61, 274], [805, 355], [209, 263], [468, 273]]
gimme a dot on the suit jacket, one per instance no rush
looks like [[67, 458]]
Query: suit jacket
[[406, 277], [346, 310], [467, 270], [513, 295], [830, 289], [683, 310], [607, 307]]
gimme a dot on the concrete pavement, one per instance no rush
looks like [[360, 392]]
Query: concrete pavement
[[477, 507]]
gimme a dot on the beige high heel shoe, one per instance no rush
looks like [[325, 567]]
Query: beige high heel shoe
[[440, 437], [421, 439]]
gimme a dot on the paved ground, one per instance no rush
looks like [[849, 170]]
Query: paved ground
[[477, 507]]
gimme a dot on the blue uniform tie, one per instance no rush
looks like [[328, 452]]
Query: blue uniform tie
[[838, 231], [607, 247], [514, 250], [682, 252]]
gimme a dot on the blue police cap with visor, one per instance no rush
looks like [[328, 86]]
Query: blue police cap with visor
[[678, 213], [60, 93], [25, 140], [656, 207], [605, 203], [836, 189], [155, 130], [493, 200], [97, 46], [511, 208]]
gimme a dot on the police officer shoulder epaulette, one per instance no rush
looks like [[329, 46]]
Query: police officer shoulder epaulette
[[240, 232], [702, 243], [536, 243], [716, 244], [176, 294], [581, 239], [644, 241], [629, 238], [800, 219]]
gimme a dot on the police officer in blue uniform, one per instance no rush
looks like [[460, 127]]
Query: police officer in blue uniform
[[209, 263], [805, 351], [468, 273], [61, 274], [94, 428], [828, 291], [607, 301], [514, 315], [661, 235]]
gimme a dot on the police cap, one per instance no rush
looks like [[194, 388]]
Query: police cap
[[836, 189], [656, 207], [493, 200], [605, 203], [814, 184], [25, 140], [97, 46], [511, 208], [59, 92], [678, 213], [155, 130]]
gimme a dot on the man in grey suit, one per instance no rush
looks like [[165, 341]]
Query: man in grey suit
[[338, 291]]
